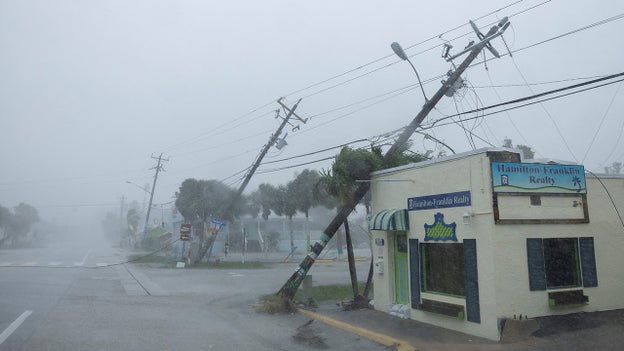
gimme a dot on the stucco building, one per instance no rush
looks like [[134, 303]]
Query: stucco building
[[468, 241]]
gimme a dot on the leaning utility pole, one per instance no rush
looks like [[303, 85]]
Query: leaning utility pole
[[272, 140], [289, 289], [158, 168]]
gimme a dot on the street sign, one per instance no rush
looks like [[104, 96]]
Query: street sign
[[185, 232], [219, 222]]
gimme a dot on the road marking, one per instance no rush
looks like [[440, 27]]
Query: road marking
[[78, 264], [31, 263], [11, 328], [84, 259], [6, 264], [102, 264], [369, 334], [54, 263]]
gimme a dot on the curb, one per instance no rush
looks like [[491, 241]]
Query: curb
[[383, 339]]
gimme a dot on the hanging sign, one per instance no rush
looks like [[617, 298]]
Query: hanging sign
[[538, 178]]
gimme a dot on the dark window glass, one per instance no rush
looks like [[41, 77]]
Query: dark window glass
[[401, 242], [443, 268], [536, 200], [561, 262]]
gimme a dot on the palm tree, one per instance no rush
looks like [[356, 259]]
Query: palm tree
[[340, 181]]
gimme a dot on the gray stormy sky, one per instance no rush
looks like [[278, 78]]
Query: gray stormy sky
[[90, 89]]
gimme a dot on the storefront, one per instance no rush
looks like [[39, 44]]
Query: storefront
[[468, 241]]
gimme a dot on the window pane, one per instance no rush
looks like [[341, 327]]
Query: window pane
[[443, 268], [561, 261]]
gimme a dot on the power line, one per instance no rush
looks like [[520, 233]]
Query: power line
[[492, 85], [436, 78], [604, 116], [436, 124], [565, 142], [362, 67]]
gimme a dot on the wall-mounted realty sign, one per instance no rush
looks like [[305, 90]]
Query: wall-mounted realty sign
[[538, 178], [458, 199]]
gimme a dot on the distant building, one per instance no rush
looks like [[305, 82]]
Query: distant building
[[468, 241]]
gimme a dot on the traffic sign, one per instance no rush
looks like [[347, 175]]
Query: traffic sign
[[185, 232]]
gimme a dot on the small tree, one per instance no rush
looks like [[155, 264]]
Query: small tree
[[615, 168], [527, 151]]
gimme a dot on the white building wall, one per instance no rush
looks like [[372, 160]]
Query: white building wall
[[512, 275], [454, 175], [501, 248]]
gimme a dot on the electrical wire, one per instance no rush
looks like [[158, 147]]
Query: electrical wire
[[565, 142], [436, 78], [609, 195], [604, 116], [492, 85], [436, 124], [359, 68]]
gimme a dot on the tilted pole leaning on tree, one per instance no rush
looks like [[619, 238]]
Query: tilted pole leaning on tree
[[289, 289], [272, 140]]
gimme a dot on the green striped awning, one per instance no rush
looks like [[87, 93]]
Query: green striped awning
[[394, 219]]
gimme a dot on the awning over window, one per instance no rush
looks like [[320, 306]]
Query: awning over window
[[394, 219]]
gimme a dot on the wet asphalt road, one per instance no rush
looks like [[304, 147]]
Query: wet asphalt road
[[49, 300]]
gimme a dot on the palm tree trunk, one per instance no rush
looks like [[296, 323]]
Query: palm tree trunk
[[369, 281], [350, 257]]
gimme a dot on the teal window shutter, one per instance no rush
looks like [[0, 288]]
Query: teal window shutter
[[473, 311], [535, 258], [588, 262], [414, 264]]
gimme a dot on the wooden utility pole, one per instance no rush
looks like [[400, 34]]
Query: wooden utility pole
[[158, 168], [272, 140], [289, 289]]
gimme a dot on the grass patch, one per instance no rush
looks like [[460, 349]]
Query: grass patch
[[273, 303], [139, 258], [230, 265], [336, 292]]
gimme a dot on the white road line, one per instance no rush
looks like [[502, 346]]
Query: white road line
[[6, 264], [102, 264], [31, 263], [11, 328], [54, 263], [84, 259], [78, 264]]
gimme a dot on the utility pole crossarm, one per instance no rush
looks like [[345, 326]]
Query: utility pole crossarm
[[158, 168], [274, 136], [289, 289]]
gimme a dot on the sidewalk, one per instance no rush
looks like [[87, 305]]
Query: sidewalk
[[585, 331]]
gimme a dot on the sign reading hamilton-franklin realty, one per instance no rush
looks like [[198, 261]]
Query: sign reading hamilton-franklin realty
[[457, 199], [538, 178]]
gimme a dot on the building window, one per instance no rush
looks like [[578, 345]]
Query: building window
[[443, 268], [561, 261], [536, 200]]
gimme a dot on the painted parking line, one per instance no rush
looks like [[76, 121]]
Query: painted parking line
[[78, 264], [13, 326], [31, 263], [101, 264], [54, 263]]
